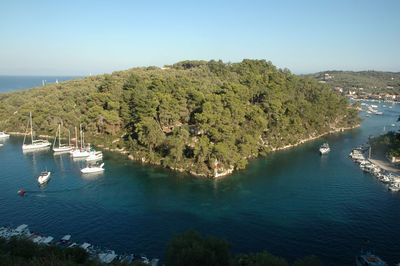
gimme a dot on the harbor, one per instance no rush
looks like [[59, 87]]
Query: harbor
[[383, 171], [294, 202]]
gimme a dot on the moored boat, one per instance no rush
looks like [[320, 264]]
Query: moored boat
[[93, 169], [369, 259], [324, 149], [35, 144], [95, 156], [394, 187], [61, 147], [3, 135]]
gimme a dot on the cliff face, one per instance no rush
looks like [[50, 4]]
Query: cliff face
[[186, 116]]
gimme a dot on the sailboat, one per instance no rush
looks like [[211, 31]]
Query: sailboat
[[61, 147], [35, 144], [80, 152]]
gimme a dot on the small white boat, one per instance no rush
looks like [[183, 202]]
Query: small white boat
[[3, 135], [324, 149], [44, 177], [369, 259], [47, 240], [95, 156], [394, 187], [107, 257], [93, 169]]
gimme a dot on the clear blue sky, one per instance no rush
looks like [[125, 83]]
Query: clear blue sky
[[82, 37]]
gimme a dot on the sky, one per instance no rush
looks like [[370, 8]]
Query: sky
[[83, 37]]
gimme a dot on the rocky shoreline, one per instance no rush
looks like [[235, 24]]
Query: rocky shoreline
[[216, 174], [226, 172]]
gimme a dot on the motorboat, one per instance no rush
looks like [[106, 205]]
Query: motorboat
[[394, 187], [93, 169], [3, 135], [369, 259], [95, 156], [35, 144], [107, 257], [44, 177], [324, 149]]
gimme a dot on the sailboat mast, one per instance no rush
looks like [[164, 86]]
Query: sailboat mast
[[26, 129], [80, 134], [55, 139], [76, 138], [59, 135], [69, 138], [30, 119]]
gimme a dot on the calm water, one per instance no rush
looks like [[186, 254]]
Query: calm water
[[292, 203], [11, 83]]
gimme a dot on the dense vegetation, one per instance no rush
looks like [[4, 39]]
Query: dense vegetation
[[187, 115], [371, 81], [187, 249], [25, 252], [389, 144], [191, 249]]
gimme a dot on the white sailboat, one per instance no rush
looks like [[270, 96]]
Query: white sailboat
[[79, 152], [93, 169], [35, 144], [61, 147]]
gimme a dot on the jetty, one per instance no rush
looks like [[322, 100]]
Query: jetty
[[377, 167]]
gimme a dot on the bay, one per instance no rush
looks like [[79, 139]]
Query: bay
[[11, 83], [292, 203]]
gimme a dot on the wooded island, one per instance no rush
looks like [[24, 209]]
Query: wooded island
[[200, 117]]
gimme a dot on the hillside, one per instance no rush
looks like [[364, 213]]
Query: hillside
[[370, 81], [188, 115]]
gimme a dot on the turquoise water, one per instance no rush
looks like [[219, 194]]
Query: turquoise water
[[11, 83], [292, 203]]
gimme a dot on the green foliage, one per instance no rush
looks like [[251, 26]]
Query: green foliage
[[25, 252], [188, 114], [259, 259], [190, 249], [308, 261], [388, 143]]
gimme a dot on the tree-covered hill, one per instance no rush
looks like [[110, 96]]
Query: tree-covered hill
[[188, 115], [370, 81]]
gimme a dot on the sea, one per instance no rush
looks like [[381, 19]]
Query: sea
[[11, 83], [292, 203]]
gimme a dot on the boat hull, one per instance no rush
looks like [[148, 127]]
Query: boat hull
[[62, 149], [27, 147], [42, 179], [89, 170]]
